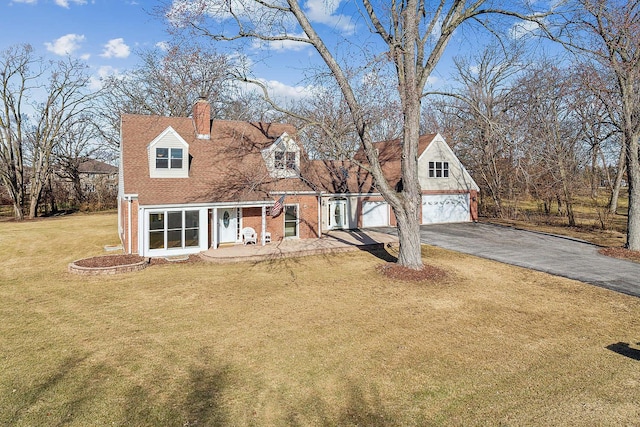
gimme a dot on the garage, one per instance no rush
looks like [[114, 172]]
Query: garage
[[439, 208], [375, 214]]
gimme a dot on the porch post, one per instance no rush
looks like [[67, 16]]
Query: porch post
[[264, 224], [214, 228]]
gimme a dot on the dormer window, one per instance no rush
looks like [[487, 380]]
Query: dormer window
[[291, 160], [163, 155], [284, 160], [168, 154], [279, 160]]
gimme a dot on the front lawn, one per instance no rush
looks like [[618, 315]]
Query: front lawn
[[320, 341]]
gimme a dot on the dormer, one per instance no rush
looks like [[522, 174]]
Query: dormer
[[168, 155], [283, 157]]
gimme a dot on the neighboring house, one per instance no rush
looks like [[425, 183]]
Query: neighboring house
[[189, 184], [95, 175]]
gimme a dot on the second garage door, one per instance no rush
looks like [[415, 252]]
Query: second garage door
[[438, 208], [375, 214]]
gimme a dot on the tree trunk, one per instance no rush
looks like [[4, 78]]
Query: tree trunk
[[34, 202], [410, 252], [633, 174], [407, 214], [16, 200], [615, 191]]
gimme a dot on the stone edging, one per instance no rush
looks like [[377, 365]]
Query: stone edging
[[116, 269]]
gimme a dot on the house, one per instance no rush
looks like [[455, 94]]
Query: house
[[86, 179], [96, 175], [189, 184]]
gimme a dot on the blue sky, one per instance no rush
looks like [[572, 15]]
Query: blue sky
[[107, 33]]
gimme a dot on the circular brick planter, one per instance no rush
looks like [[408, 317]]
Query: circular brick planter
[[109, 264]]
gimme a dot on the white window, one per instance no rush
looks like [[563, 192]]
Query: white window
[[168, 155], [291, 160], [174, 229], [285, 160], [168, 158], [279, 160], [291, 221], [438, 169]]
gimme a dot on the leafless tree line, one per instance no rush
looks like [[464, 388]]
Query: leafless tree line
[[45, 112], [539, 128]]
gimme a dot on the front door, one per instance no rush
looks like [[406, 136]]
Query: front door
[[337, 214], [227, 225]]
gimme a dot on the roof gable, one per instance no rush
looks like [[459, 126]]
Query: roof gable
[[439, 151]]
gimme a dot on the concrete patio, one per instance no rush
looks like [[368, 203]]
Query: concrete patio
[[331, 242]]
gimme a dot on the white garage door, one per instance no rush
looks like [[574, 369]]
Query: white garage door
[[375, 214], [438, 208]]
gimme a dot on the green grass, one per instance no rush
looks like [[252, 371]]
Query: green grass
[[314, 341]]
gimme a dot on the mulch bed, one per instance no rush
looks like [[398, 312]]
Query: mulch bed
[[117, 260], [109, 261], [621, 253], [398, 272]]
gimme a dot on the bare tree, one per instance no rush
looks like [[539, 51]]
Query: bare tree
[[555, 150], [167, 83], [414, 35], [67, 100], [483, 105], [324, 119], [18, 78], [607, 31], [77, 144]]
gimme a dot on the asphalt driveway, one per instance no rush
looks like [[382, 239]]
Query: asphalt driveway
[[552, 254]]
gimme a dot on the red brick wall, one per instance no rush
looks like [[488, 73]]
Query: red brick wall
[[252, 217], [307, 215], [124, 210]]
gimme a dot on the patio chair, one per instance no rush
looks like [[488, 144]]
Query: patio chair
[[267, 237], [249, 236]]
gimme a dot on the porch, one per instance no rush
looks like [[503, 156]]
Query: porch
[[331, 242]]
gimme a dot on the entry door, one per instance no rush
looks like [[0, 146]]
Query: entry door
[[227, 225], [338, 214]]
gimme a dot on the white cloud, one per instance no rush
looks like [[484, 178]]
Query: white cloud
[[24, 1], [65, 3], [282, 91], [65, 45], [523, 28], [103, 72], [280, 45], [116, 48], [163, 46], [182, 11], [433, 80], [323, 12]]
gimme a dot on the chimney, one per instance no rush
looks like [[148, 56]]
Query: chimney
[[202, 118]]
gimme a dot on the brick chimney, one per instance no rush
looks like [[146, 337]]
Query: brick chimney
[[202, 118]]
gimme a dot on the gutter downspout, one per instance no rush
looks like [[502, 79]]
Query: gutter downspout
[[320, 214]]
